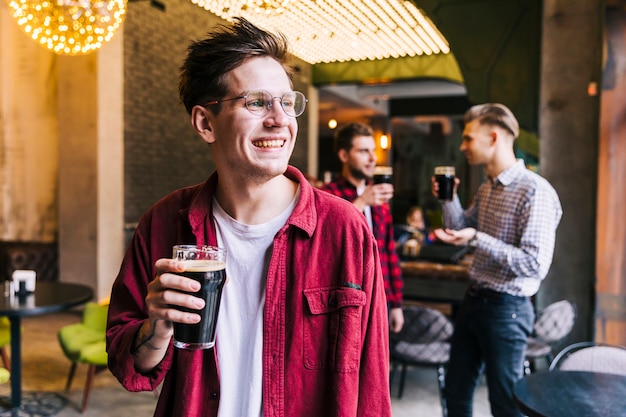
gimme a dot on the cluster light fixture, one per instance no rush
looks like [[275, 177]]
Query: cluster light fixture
[[322, 31], [69, 27]]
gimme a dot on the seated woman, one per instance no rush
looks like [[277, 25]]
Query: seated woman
[[410, 237]]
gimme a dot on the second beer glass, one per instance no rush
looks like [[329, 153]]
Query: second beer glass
[[444, 175], [207, 265], [383, 174]]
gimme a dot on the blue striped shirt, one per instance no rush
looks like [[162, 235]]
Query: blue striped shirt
[[516, 216]]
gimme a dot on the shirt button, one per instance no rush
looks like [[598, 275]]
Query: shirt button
[[514, 315], [214, 395]]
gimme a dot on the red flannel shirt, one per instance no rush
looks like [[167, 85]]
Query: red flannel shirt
[[382, 223], [325, 331]]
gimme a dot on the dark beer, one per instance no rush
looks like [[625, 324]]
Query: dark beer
[[444, 176], [383, 174], [211, 274]]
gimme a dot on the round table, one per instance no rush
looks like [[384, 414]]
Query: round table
[[48, 297], [571, 393]]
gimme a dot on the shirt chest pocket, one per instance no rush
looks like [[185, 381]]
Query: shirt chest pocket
[[332, 329]]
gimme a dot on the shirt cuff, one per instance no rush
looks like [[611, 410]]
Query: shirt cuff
[[473, 242]]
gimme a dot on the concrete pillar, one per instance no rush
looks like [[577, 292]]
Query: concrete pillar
[[28, 136], [571, 60], [91, 162]]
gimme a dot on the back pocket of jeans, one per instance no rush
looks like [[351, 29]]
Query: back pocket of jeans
[[332, 328]]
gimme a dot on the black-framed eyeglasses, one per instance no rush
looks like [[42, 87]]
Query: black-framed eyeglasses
[[260, 102]]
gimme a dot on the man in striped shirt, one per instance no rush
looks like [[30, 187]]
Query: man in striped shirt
[[355, 146], [512, 225]]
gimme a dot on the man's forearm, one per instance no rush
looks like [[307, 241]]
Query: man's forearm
[[149, 349]]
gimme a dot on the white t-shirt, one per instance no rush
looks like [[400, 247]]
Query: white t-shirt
[[239, 339], [367, 210]]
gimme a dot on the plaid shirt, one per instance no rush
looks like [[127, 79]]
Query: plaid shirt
[[516, 216], [382, 223]]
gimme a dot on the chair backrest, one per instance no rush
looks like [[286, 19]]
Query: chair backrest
[[590, 356], [95, 316], [424, 325], [555, 321]]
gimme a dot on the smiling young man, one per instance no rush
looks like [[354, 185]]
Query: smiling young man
[[512, 226], [356, 149], [302, 327]]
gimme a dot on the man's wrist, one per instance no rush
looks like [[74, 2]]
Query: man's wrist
[[474, 240]]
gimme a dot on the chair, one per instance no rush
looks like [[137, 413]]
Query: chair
[[423, 341], [5, 339], [4, 375], [85, 342], [591, 356], [552, 325]]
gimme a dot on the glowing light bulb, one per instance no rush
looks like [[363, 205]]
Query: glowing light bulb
[[384, 142]]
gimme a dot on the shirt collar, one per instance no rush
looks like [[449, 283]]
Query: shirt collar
[[511, 174]]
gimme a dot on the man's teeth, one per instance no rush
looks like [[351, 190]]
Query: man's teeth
[[277, 143]]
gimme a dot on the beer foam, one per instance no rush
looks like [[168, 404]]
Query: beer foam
[[203, 265], [383, 170], [445, 170]]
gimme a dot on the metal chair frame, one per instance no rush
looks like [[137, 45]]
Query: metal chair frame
[[423, 341], [551, 327], [591, 356]]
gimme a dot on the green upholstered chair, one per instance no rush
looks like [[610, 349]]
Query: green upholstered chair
[[4, 375], [85, 343], [5, 340]]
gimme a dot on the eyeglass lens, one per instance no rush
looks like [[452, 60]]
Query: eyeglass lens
[[260, 102]]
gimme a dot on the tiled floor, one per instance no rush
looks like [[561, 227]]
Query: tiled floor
[[45, 370], [421, 396]]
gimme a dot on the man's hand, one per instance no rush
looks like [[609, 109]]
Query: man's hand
[[165, 292], [374, 195], [396, 319], [455, 237], [434, 186]]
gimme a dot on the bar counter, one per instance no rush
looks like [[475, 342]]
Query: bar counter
[[436, 282]]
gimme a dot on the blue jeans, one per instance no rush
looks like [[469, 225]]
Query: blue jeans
[[491, 331]]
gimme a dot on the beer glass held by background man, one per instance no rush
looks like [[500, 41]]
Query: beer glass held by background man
[[512, 226], [356, 149], [302, 328]]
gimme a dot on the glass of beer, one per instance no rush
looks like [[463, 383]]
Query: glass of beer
[[383, 174], [207, 265], [444, 175]]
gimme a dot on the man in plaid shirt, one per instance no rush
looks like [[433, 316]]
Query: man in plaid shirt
[[512, 225], [355, 146]]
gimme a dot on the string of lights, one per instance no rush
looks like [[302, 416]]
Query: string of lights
[[321, 31]]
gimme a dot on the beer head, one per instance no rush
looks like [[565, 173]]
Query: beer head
[[203, 265], [445, 170], [383, 174]]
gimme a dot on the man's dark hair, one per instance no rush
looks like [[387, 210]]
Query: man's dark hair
[[344, 136], [224, 49]]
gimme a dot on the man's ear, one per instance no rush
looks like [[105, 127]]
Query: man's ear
[[495, 135], [501, 135], [343, 155], [201, 121]]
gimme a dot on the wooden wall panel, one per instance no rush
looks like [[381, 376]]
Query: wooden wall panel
[[611, 219]]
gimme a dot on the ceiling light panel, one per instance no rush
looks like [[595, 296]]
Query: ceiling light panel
[[322, 31]]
